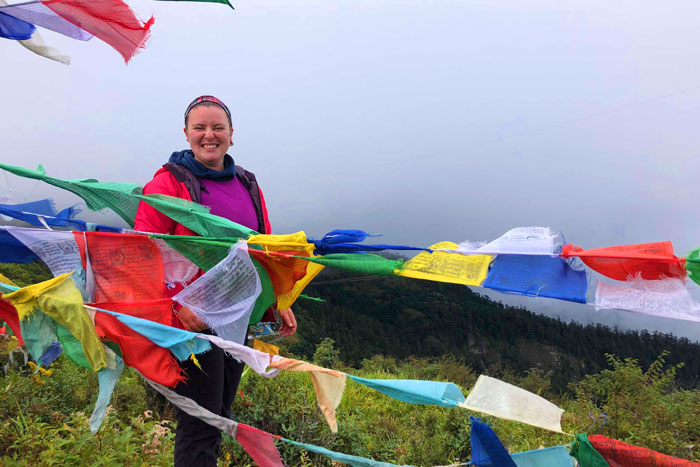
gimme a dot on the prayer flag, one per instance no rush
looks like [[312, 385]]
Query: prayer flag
[[12, 250], [617, 453], [263, 346], [36, 44], [667, 298], [40, 15], [224, 296], [56, 248], [121, 267], [107, 379], [355, 461], [447, 267], [364, 264], [13, 28], [500, 399], [225, 2], [585, 453], [328, 384], [518, 241], [6, 280], [487, 449], [51, 354], [259, 445], [8, 314], [62, 302], [652, 260], [256, 360], [154, 362], [109, 20], [180, 342], [346, 241], [416, 391], [556, 456], [537, 276], [692, 264]]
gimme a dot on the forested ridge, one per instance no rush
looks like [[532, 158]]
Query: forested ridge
[[401, 317]]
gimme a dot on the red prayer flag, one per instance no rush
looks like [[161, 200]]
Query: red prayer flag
[[652, 260], [259, 445], [619, 454], [109, 20], [9, 315], [125, 267], [154, 362], [160, 311]]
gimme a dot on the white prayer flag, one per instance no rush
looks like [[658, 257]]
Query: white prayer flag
[[500, 399], [667, 298], [224, 296]]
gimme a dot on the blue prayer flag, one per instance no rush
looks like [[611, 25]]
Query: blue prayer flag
[[556, 456], [416, 391], [13, 28], [487, 449], [537, 276]]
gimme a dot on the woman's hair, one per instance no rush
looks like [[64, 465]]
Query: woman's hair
[[208, 101]]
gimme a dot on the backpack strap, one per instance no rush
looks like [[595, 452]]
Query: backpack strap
[[186, 177], [251, 184]]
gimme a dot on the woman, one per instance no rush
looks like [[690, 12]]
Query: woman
[[206, 174]]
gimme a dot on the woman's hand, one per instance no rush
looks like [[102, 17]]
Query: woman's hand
[[289, 322], [190, 320]]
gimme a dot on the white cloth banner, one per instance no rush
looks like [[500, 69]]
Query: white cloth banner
[[518, 241], [36, 44], [224, 296], [500, 399], [667, 298], [56, 248], [258, 361]]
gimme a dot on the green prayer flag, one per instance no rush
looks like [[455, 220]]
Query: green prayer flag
[[315, 299], [267, 296], [692, 265], [124, 199], [195, 217], [64, 304], [585, 453], [97, 196], [72, 347], [362, 263], [225, 2]]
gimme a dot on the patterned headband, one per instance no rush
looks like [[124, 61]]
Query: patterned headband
[[211, 99]]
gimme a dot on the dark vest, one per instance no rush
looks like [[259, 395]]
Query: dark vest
[[194, 187]]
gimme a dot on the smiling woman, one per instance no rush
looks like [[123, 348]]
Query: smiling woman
[[209, 131], [206, 174]]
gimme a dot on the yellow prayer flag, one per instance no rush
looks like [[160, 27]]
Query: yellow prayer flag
[[289, 242], [61, 301], [25, 299], [6, 280], [296, 241], [287, 300], [447, 267], [265, 347]]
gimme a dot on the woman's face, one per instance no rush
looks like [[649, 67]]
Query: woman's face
[[209, 134]]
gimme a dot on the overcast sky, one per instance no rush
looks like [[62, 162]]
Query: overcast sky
[[422, 121]]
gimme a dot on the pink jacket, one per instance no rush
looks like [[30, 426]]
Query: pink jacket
[[149, 219]]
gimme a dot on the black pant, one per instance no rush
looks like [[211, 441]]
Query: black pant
[[197, 443]]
